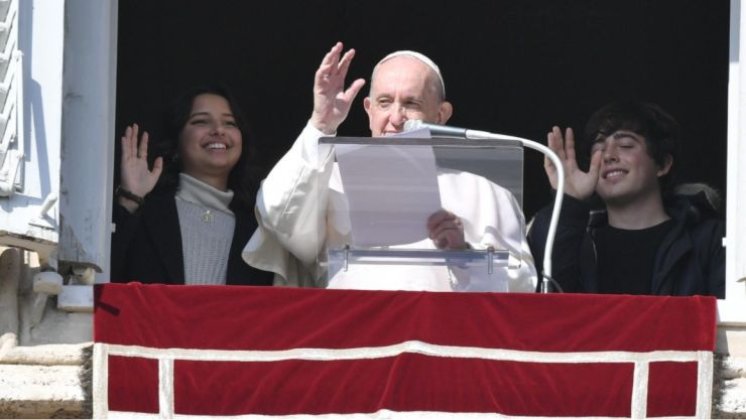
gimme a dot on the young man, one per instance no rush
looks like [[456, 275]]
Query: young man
[[298, 206], [647, 239]]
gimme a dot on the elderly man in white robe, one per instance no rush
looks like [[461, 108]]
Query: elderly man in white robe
[[299, 201]]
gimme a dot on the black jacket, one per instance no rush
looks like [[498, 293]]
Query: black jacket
[[690, 260], [147, 247]]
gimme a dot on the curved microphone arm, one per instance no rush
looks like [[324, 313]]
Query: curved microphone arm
[[547, 276]]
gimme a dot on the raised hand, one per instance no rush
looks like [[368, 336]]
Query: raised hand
[[578, 184], [136, 177], [331, 102], [446, 230]]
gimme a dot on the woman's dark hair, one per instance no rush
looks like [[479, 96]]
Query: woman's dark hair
[[243, 179], [661, 131]]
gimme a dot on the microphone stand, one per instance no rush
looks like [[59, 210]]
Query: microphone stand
[[484, 135]]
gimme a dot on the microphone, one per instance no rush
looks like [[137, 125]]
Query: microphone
[[436, 130]]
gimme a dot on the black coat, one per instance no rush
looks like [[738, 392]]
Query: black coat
[[146, 246], [689, 261]]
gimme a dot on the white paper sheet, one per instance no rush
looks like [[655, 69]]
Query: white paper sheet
[[391, 191]]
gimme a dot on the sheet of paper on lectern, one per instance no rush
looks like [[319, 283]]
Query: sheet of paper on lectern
[[391, 191]]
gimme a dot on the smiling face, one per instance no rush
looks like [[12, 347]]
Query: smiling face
[[628, 172], [403, 88], [210, 142]]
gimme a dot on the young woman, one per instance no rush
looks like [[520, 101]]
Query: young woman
[[186, 220]]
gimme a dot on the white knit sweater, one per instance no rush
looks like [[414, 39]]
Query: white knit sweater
[[207, 226]]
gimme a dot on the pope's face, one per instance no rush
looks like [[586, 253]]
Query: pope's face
[[403, 88]]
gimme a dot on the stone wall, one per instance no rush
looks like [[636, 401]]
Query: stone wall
[[45, 353], [46, 381], [729, 386]]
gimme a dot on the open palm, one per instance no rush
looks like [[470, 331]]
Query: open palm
[[331, 102], [578, 184], [136, 176]]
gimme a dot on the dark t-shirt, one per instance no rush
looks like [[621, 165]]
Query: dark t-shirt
[[626, 258]]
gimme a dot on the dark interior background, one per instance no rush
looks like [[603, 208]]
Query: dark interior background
[[514, 67]]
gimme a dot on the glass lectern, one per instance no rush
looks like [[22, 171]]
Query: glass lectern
[[386, 194]]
